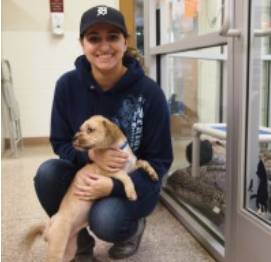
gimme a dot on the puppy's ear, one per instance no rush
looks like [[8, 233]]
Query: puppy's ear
[[113, 132]]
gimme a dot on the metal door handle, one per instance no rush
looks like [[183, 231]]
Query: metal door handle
[[262, 32], [226, 31]]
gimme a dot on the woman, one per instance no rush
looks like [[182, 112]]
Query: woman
[[107, 81]]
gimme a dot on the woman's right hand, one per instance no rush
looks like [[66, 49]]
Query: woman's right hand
[[111, 159]]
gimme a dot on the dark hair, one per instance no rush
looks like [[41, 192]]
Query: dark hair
[[135, 53], [126, 36]]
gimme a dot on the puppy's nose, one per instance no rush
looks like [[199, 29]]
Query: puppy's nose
[[75, 137]]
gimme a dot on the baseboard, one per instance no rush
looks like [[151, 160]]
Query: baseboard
[[29, 141], [36, 140]]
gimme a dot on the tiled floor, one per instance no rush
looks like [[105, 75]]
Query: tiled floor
[[165, 239]]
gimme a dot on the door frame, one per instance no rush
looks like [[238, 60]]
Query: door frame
[[245, 234], [127, 7]]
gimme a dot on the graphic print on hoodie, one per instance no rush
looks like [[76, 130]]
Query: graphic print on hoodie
[[130, 119]]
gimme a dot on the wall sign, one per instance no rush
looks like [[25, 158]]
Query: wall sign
[[57, 16]]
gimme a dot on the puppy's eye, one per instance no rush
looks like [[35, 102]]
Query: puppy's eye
[[90, 130]]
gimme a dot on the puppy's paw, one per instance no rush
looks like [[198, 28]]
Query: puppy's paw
[[133, 197], [131, 194], [148, 168], [152, 173], [154, 176]]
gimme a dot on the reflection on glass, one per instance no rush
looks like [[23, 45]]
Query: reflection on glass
[[194, 90], [258, 169], [139, 16], [183, 18]]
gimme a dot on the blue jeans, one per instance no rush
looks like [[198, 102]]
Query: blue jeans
[[111, 219]]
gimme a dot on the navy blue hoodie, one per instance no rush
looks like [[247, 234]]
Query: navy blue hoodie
[[136, 104]]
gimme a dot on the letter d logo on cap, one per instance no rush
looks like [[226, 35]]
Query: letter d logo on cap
[[102, 10]]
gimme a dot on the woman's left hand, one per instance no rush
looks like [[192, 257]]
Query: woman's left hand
[[93, 187]]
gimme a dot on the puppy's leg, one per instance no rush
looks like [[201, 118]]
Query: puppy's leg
[[58, 235], [71, 248], [145, 165], [128, 184]]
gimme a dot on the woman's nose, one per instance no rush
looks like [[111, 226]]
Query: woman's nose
[[104, 45]]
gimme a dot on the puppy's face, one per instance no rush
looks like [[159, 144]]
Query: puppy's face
[[94, 133]]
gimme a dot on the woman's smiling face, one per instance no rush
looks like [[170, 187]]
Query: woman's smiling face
[[104, 46]]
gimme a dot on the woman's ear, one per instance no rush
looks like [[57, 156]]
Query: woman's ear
[[81, 40]]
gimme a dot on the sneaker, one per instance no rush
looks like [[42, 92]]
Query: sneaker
[[128, 247], [85, 246]]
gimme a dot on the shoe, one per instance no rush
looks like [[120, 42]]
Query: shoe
[[128, 247], [85, 246]]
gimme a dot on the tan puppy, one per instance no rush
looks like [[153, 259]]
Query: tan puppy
[[62, 230]]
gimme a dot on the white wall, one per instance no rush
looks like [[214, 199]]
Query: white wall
[[37, 57]]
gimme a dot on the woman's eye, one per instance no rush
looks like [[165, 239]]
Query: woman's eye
[[94, 39], [113, 37]]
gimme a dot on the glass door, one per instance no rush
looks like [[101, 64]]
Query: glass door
[[212, 59], [249, 237], [187, 56], [258, 133]]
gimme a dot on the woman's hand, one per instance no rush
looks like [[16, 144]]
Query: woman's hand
[[92, 186], [111, 160]]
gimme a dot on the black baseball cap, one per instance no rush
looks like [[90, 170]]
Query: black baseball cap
[[102, 14]]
